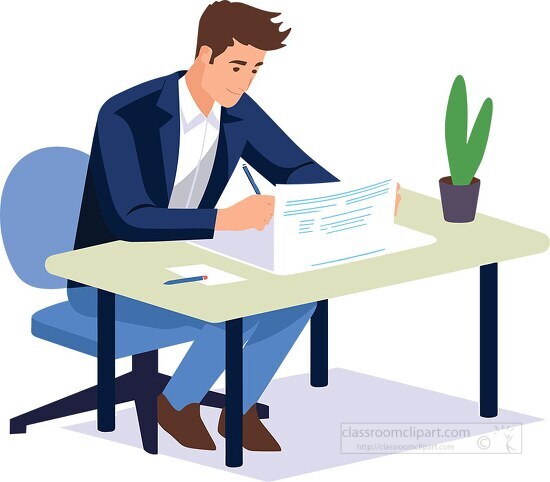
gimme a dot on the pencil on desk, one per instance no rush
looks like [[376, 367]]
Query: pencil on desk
[[251, 179], [185, 280]]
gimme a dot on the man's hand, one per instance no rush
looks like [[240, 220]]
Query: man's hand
[[252, 212], [397, 199]]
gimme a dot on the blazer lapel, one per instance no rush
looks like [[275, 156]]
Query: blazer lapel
[[170, 130]]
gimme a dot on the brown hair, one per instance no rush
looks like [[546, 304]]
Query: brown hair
[[223, 21]]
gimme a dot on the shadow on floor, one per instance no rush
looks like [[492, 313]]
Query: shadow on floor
[[319, 428]]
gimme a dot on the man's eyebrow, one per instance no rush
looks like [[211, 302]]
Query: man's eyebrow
[[242, 62]]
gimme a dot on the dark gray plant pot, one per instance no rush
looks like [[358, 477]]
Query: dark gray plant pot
[[459, 202]]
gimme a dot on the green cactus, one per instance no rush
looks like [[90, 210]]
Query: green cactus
[[465, 154]]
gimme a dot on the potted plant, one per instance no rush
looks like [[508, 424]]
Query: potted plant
[[460, 190]]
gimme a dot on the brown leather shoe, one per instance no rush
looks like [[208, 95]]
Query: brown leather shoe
[[185, 425], [256, 437]]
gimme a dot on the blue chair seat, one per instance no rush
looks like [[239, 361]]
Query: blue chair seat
[[63, 325]]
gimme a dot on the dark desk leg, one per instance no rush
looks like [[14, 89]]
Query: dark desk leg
[[319, 345], [105, 361], [234, 393], [488, 339]]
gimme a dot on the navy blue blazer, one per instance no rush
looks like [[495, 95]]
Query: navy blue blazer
[[134, 157]]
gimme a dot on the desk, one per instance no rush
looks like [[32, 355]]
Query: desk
[[138, 270]]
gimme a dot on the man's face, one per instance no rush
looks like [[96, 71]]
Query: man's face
[[232, 72]]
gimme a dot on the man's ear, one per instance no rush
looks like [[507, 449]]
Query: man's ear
[[205, 52]]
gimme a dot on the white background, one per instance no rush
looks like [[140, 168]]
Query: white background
[[362, 88]]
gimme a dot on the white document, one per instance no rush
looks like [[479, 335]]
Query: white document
[[325, 224], [320, 225], [215, 276]]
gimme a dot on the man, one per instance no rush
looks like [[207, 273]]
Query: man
[[162, 154]]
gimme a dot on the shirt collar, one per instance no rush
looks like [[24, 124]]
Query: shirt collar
[[190, 112]]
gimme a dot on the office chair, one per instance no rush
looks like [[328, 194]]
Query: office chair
[[38, 215]]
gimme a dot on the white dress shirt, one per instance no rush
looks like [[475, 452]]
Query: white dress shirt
[[197, 149]]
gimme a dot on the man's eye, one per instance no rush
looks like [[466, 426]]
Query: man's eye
[[254, 71], [235, 69]]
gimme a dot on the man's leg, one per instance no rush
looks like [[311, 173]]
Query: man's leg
[[178, 407], [268, 339], [268, 346], [263, 353], [202, 365]]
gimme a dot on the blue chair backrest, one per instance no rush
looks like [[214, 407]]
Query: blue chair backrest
[[39, 211]]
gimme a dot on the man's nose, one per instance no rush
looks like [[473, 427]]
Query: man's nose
[[246, 84]]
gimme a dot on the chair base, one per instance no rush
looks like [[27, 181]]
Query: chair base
[[128, 387]]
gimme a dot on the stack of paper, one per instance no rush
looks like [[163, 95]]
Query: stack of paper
[[320, 225]]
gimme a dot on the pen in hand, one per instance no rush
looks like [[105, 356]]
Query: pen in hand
[[185, 280], [254, 211], [251, 179]]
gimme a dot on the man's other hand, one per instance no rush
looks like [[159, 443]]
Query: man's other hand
[[252, 212], [397, 199]]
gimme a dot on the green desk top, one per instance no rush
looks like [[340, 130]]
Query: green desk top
[[138, 270]]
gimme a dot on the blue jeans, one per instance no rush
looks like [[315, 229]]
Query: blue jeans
[[267, 338]]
